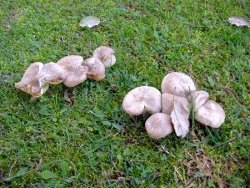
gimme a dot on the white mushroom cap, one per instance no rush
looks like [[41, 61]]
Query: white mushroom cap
[[211, 114], [96, 69], [159, 126], [76, 73], [52, 73], [69, 60], [198, 98], [106, 55], [177, 83], [142, 99], [30, 82], [167, 101]]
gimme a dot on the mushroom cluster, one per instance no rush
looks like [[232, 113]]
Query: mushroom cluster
[[71, 70], [171, 109]]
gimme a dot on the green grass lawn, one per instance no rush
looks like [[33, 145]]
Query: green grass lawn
[[94, 143]]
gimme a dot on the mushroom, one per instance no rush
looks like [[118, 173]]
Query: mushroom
[[167, 101], [159, 126], [52, 73], [30, 82], [75, 59], [198, 98], [210, 114], [142, 99], [106, 55], [75, 72], [177, 83], [96, 70]]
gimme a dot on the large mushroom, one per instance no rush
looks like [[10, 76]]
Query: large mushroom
[[76, 73], [142, 99], [158, 126], [30, 82], [96, 69], [52, 73], [210, 114], [106, 55], [178, 84]]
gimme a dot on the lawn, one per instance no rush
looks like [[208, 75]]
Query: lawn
[[48, 143]]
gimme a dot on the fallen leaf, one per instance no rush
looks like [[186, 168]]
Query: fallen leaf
[[180, 118], [238, 21], [90, 21]]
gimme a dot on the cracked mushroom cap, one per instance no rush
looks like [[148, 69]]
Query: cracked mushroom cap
[[198, 98], [158, 126], [177, 83], [106, 55], [52, 73], [211, 114], [167, 101], [30, 82], [142, 99], [75, 72], [96, 69]]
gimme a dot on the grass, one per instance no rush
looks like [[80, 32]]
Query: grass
[[94, 143]]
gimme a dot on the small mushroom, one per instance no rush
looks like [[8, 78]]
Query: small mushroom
[[96, 70], [211, 114], [198, 98], [167, 101], [142, 99], [177, 83], [30, 82], [106, 55], [75, 72], [158, 126], [52, 73]]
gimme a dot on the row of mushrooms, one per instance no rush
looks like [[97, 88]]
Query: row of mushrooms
[[172, 108], [70, 70]]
